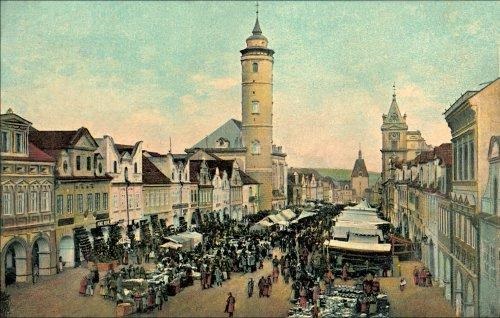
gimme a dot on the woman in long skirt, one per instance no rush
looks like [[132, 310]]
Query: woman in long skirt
[[83, 285], [302, 297]]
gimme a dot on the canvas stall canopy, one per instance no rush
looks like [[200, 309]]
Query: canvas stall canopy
[[195, 237], [171, 245], [278, 219], [358, 246], [287, 214], [303, 215], [184, 241]]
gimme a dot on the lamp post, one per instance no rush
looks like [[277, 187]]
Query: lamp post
[[127, 183]]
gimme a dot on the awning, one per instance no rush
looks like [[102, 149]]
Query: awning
[[264, 222], [277, 219], [171, 245], [195, 237], [305, 214], [358, 246], [288, 214]]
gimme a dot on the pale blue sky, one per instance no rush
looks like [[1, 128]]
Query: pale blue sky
[[150, 70]]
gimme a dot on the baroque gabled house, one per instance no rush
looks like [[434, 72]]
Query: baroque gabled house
[[124, 164], [27, 225], [81, 192]]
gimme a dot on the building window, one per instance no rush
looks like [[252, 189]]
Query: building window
[[105, 201], [255, 67], [65, 166], [137, 200], [69, 203], [256, 147], [45, 201], [33, 201], [21, 203], [20, 148], [135, 167], [78, 163], [89, 164], [90, 202], [115, 201], [97, 201], [115, 167], [100, 167], [471, 160], [59, 204], [5, 141], [6, 203], [79, 203], [255, 107]]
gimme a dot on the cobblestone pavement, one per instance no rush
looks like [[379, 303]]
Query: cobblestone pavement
[[414, 301], [57, 296]]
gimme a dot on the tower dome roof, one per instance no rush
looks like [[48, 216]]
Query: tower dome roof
[[257, 32]]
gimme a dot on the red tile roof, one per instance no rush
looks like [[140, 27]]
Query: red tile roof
[[35, 155], [56, 139], [444, 153], [151, 174]]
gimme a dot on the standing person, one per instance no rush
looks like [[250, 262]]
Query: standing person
[[344, 272], [402, 284], [261, 286], [158, 299], [329, 279], [230, 305], [90, 287], [60, 264], [250, 285], [315, 311], [36, 273], [83, 285], [316, 292], [303, 297], [415, 275], [218, 277]]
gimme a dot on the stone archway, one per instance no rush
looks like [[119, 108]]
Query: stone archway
[[441, 269], [245, 210], [14, 259], [469, 300], [458, 295], [40, 255], [67, 251]]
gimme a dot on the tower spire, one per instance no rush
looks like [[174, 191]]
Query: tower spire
[[394, 91], [256, 29], [170, 148], [359, 152]]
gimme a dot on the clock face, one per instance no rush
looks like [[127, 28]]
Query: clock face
[[394, 136]]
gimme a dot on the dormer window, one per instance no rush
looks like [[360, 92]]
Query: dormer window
[[135, 167], [115, 167], [5, 141], [255, 67], [89, 164], [255, 107], [100, 167], [20, 143]]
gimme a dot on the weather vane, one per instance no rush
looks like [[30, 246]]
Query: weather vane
[[257, 8]]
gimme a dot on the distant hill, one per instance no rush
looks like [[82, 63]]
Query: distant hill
[[345, 174]]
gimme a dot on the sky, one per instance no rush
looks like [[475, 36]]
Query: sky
[[154, 70]]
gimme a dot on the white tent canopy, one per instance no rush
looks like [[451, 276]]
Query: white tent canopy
[[195, 237], [358, 246], [278, 219], [304, 214], [171, 245], [288, 214]]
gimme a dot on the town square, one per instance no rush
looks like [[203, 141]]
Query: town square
[[249, 159]]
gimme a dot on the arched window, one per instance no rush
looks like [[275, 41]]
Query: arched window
[[256, 147], [135, 167], [115, 167], [255, 107], [255, 67], [126, 173]]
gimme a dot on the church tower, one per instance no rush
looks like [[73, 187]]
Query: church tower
[[394, 137], [257, 112]]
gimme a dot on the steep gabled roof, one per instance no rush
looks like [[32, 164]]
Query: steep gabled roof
[[230, 131], [151, 174], [246, 179], [359, 167], [444, 153], [58, 139]]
